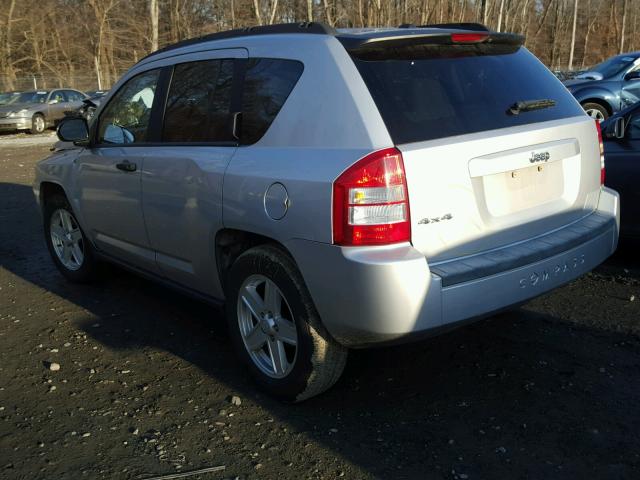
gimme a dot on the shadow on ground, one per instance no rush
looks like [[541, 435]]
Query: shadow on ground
[[520, 395]]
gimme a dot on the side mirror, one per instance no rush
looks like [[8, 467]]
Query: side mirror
[[53, 101], [632, 76], [74, 130], [617, 128]]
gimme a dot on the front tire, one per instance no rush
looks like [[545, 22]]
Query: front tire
[[596, 111], [70, 250], [38, 123], [276, 329]]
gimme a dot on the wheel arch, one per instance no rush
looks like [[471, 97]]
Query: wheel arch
[[600, 101], [231, 243], [48, 189]]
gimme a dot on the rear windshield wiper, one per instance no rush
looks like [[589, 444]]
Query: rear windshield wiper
[[529, 105]]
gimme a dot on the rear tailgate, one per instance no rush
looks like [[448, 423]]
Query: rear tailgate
[[470, 194], [482, 172]]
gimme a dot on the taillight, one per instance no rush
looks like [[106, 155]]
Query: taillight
[[371, 203], [601, 152], [469, 37]]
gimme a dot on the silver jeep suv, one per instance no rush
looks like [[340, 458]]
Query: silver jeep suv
[[335, 188]]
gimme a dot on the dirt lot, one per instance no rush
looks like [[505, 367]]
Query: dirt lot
[[551, 390]]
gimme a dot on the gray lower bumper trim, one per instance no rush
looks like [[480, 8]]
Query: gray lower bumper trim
[[514, 256]]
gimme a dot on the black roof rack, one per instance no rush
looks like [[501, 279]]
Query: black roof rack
[[304, 27]]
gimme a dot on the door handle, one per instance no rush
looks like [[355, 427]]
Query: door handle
[[126, 166]]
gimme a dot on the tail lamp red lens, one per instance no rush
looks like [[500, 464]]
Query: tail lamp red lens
[[371, 202], [469, 37], [602, 172]]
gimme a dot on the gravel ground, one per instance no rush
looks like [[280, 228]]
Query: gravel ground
[[146, 377]]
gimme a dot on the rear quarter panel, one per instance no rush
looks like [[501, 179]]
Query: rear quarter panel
[[328, 122]]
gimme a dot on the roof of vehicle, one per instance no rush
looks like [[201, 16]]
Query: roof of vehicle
[[351, 38]]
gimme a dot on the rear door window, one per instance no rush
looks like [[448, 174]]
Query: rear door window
[[267, 84], [436, 92], [199, 102]]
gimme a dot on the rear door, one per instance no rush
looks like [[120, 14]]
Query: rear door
[[183, 174], [74, 100], [481, 172]]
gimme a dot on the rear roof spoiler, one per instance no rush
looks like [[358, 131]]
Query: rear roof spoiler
[[400, 38]]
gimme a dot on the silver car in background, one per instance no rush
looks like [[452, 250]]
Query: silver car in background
[[336, 189], [37, 110]]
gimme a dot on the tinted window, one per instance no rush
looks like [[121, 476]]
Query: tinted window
[[440, 92], [198, 106], [267, 84], [126, 118]]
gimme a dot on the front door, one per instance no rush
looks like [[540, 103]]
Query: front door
[[109, 174], [182, 179], [57, 104]]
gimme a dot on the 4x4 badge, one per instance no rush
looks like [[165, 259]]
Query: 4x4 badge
[[446, 216]]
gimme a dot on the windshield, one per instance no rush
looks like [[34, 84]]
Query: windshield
[[29, 97], [614, 65], [5, 97]]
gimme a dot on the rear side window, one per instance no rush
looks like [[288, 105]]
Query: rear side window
[[445, 91], [267, 84], [199, 102], [73, 96]]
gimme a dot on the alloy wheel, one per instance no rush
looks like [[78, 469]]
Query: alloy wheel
[[66, 239], [39, 124], [595, 114], [267, 326]]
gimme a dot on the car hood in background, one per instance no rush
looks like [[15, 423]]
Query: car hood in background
[[14, 107]]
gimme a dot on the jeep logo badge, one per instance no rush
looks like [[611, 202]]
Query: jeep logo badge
[[539, 157]]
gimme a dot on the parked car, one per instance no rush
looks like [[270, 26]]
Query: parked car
[[608, 87], [363, 188], [37, 110], [6, 97], [622, 153]]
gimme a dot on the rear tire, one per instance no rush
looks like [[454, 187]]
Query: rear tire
[[260, 278], [596, 111], [38, 124], [70, 250]]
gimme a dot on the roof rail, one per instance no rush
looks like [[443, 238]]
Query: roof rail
[[304, 27]]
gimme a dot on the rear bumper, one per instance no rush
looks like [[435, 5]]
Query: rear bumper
[[367, 296]]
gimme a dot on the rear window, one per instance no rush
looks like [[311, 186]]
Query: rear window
[[435, 92]]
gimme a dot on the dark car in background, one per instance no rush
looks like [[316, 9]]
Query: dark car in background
[[609, 87], [621, 134]]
